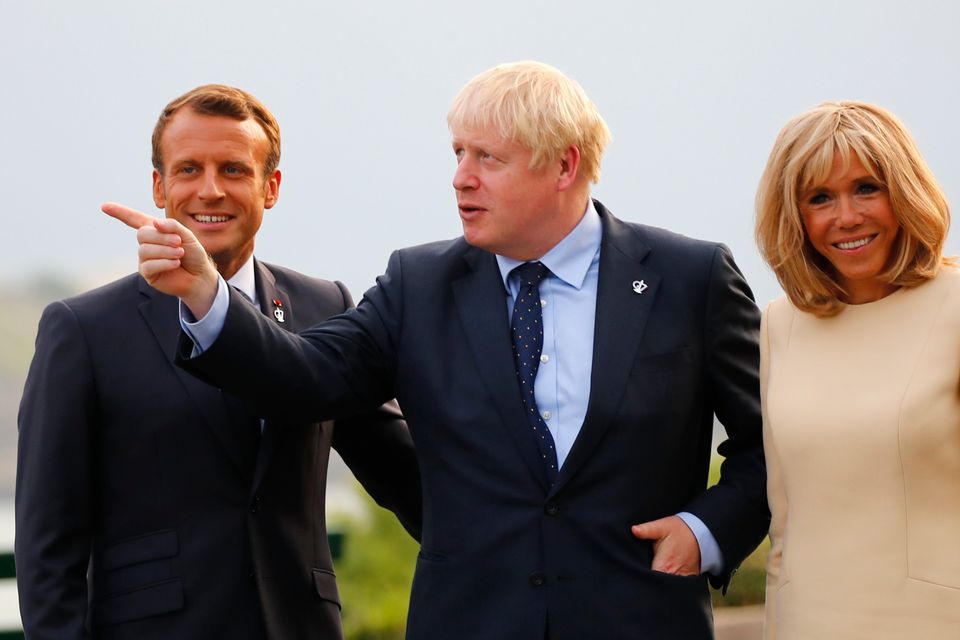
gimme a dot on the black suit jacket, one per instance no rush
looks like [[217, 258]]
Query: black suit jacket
[[503, 555], [145, 506]]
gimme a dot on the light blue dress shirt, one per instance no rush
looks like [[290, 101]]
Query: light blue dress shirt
[[562, 387], [568, 296]]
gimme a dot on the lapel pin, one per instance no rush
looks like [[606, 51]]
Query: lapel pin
[[639, 286], [278, 309]]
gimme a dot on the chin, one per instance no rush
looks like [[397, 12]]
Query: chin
[[474, 238]]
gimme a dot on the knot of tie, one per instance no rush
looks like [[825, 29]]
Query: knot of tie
[[529, 274]]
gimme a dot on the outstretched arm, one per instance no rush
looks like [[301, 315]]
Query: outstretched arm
[[171, 258]]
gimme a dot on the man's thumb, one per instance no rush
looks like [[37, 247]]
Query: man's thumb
[[647, 530]]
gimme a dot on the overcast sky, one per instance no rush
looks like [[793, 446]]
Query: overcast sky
[[693, 92]]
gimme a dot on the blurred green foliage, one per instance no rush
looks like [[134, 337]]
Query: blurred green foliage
[[374, 575], [749, 582]]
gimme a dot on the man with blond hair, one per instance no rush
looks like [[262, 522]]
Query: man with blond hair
[[195, 518], [559, 370]]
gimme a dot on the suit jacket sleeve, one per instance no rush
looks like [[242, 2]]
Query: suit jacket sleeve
[[54, 490], [342, 367], [338, 367], [379, 451], [377, 447], [735, 510]]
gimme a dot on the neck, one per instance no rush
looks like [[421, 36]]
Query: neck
[[569, 214], [227, 266], [864, 292]]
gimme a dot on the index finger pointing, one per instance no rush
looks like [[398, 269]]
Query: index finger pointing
[[130, 217]]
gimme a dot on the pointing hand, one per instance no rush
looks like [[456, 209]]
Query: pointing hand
[[172, 260]]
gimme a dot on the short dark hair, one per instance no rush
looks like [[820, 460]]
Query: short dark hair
[[221, 100]]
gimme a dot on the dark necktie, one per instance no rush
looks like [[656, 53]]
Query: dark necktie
[[526, 332]]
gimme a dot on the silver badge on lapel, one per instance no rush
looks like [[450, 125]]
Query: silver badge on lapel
[[278, 309], [639, 286]]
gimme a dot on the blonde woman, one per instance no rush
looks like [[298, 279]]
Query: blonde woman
[[860, 383]]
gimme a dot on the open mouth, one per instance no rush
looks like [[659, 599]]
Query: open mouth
[[469, 213], [854, 244]]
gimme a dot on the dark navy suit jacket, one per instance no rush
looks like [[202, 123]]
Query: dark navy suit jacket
[[503, 555]]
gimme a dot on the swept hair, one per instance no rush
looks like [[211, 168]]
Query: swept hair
[[803, 157], [537, 106]]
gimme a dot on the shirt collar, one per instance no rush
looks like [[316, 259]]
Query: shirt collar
[[569, 259], [245, 280]]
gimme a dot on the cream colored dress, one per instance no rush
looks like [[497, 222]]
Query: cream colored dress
[[862, 437]]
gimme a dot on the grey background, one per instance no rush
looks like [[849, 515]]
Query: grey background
[[694, 93]]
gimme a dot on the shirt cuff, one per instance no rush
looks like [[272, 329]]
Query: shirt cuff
[[711, 558], [204, 332]]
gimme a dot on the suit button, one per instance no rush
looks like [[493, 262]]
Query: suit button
[[255, 505], [552, 509], [537, 579]]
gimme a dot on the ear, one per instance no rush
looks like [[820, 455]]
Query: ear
[[159, 196], [569, 168], [271, 190]]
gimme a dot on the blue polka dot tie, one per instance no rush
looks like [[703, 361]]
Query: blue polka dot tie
[[526, 332]]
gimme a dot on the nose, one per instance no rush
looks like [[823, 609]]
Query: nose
[[210, 188], [849, 213], [465, 177]]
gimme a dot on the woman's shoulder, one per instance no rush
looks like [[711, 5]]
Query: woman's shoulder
[[776, 322], [779, 310], [944, 287], [949, 275]]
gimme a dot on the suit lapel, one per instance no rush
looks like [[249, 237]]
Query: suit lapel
[[273, 299], [621, 317], [161, 314], [275, 304], [481, 305]]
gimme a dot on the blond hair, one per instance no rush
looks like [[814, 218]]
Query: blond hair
[[535, 105], [803, 156]]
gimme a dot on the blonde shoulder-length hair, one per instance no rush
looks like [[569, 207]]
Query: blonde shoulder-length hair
[[803, 156]]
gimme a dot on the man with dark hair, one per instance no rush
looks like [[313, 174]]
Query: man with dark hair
[[198, 519]]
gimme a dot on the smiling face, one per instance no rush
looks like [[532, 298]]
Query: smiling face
[[850, 222], [213, 183], [505, 206]]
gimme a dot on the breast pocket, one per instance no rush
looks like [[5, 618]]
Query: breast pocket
[[660, 373], [135, 578], [667, 360]]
